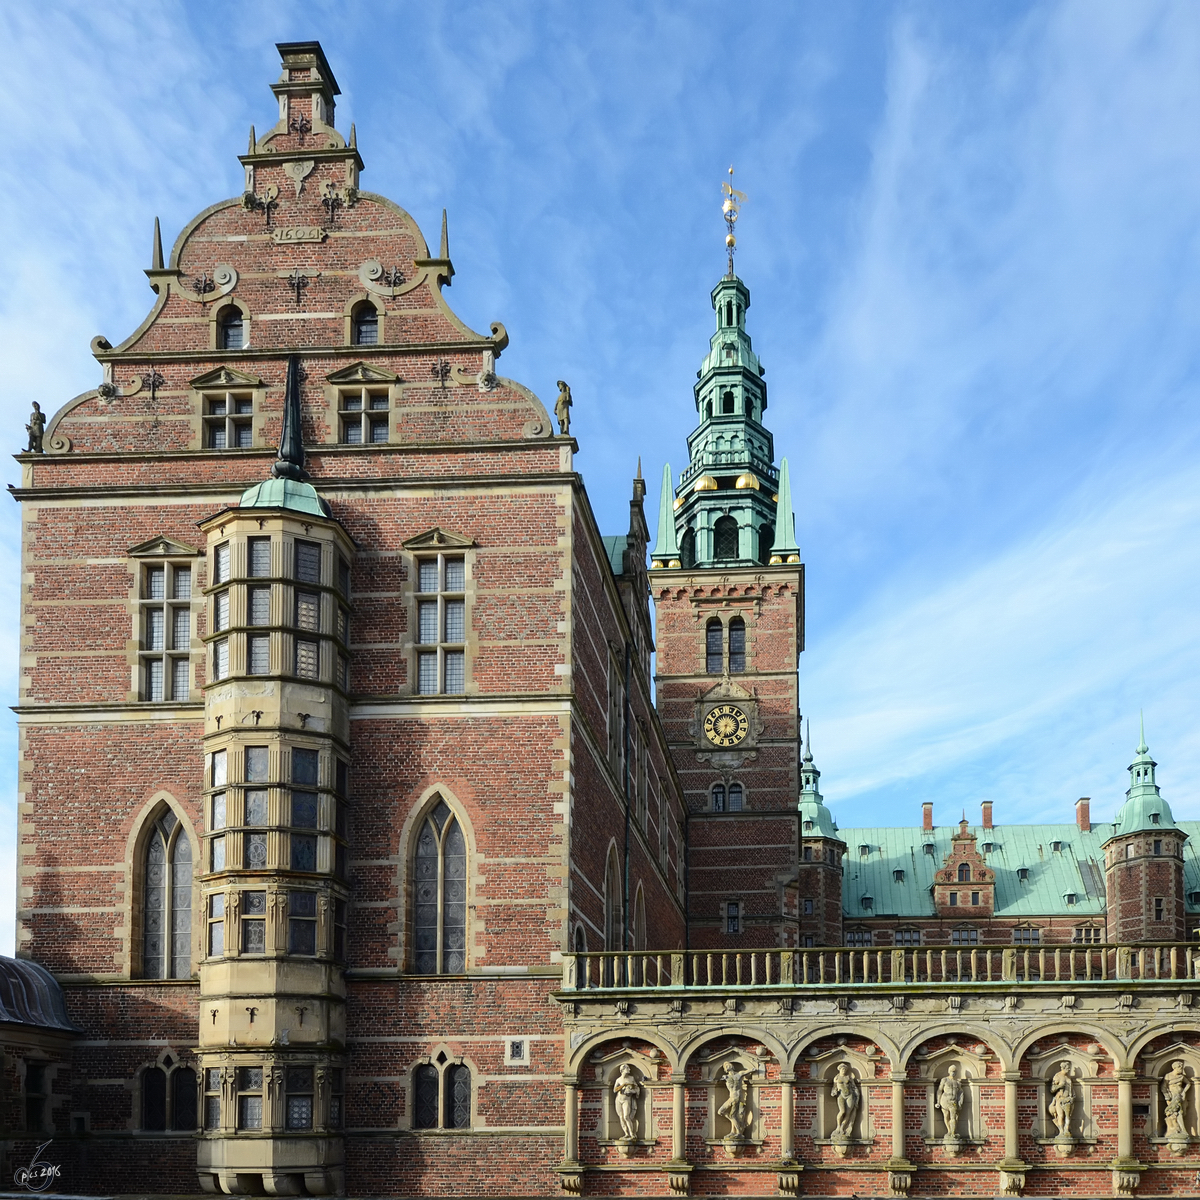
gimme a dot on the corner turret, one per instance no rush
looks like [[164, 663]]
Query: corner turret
[[814, 898], [1143, 861]]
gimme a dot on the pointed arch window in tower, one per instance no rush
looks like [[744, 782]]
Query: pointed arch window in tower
[[737, 645], [167, 902], [440, 909], [725, 538], [713, 649]]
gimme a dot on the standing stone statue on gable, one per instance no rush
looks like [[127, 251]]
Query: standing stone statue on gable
[[562, 408], [36, 429]]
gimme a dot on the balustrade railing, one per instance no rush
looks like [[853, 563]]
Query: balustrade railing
[[882, 966]]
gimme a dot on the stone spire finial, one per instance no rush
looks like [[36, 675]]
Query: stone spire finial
[[253, 141], [290, 462], [156, 257], [1142, 747], [444, 252], [666, 545]]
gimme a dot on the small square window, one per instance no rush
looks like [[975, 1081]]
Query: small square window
[[259, 605], [256, 851], [808, 908], [953, 899], [258, 654], [733, 917], [304, 852], [308, 562], [305, 765], [256, 807], [308, 658], [258, 555]]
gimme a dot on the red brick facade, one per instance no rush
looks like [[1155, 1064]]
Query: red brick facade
[[633, 894]]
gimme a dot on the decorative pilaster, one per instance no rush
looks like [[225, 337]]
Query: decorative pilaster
[[1012, 1169], [1126, 1170]]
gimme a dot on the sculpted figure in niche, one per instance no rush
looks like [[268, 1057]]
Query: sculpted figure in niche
[[737, 1108], [1062, 1099], [627, 1089], [846, 1092], [950, 1099], [36, 429], [562, 408], [1175, 1087]]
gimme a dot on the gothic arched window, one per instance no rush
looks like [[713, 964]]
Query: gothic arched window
[[442, 1095], [167, 901], [725, 538], [366, 325], [440, 895], [231, 331], [737, 645], [714, 635], [154, 1099], [613, 922]]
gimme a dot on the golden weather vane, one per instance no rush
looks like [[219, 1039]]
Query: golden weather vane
[[733, 203]]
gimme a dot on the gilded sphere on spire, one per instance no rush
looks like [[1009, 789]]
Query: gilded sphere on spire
[[730, 240]]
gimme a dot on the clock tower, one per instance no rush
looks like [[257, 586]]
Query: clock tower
[[728, 588]]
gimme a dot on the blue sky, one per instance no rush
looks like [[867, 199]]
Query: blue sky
[[972, 242]]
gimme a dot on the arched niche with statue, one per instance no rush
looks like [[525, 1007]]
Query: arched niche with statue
[[953, 1071], [1065, 1070]]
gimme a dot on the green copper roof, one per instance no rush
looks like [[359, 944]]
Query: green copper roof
[[1075, 869], [666, 547], [1144, 808], [727, 509], [615, 547], [291, 494]]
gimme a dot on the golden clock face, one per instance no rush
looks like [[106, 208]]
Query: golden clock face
[[726, 725]]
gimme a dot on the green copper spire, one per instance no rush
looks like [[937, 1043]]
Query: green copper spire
[[815, 819], [1144, 807], [727, 493], [785, 548], [666, 548]]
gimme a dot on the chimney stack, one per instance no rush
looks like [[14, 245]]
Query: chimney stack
[[1083, 813], [987, 814], [927, 815]]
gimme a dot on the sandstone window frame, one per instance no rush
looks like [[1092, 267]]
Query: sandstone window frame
[[228, 408], [454, 1079], [175, 1089], [217, 317], [165, 600], [349, 393], [441, 625], [440, 886], [146, 826]]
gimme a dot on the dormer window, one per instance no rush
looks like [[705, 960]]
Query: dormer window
[[1155, 818], [988, 847], [231, 331], [868, 902], [1193, 897], [366, 325], [898, 876], [1070, 897], [964, 872], [808, 827], [929, 848], [864, 850], [1023, 874]]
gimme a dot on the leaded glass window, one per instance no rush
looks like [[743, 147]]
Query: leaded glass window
[[441, 625], [167, 901], [458, 1097], [440, 895], [713, 649], [425, 1102]]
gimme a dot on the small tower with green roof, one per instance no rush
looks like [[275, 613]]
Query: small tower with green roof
[[817, 891], [728, 588], [1143, 862]]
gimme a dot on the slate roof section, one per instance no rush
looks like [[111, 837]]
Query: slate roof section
[[1076, 869], [30, 995]]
